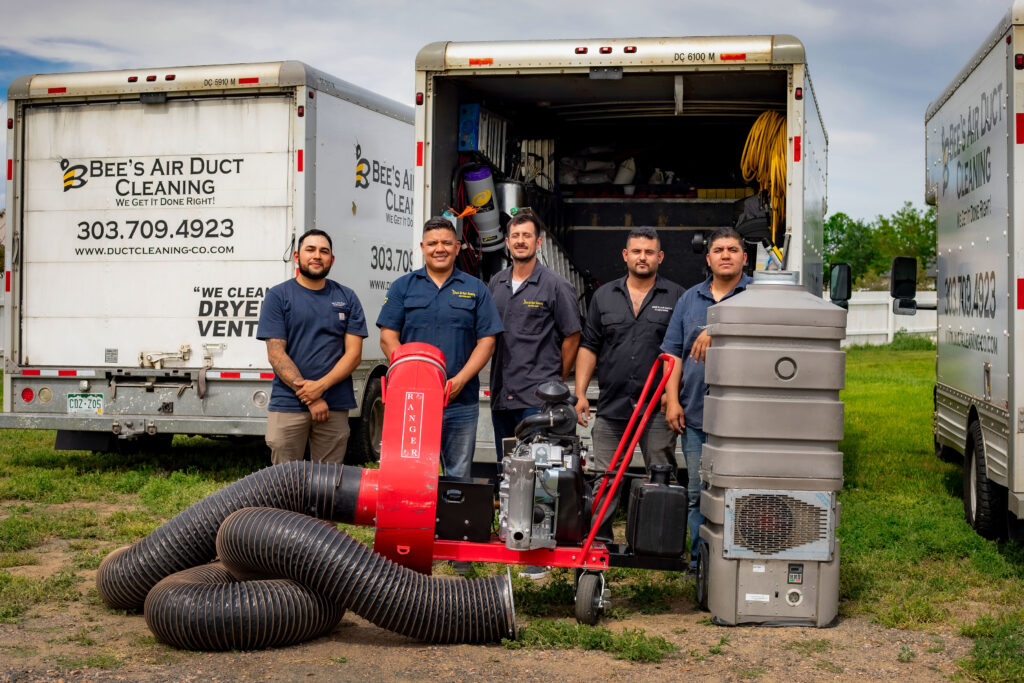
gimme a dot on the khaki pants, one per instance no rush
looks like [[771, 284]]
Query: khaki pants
[[287, 434]]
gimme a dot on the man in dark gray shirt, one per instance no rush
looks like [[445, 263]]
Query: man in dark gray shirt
[[540, 314], [625, 327]]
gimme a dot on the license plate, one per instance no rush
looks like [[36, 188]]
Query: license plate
[[85, 404]]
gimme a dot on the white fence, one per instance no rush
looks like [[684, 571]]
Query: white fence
[[871, 320]]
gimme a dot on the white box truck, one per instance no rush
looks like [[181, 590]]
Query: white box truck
[[677, 111], [149, 210], [974, 141]]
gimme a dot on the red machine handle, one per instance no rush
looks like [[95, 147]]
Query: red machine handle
[[605, 494]]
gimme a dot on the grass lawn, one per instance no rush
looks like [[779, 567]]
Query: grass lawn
[[909, 560]]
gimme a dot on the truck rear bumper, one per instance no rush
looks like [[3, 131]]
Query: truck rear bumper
[[131, 425]]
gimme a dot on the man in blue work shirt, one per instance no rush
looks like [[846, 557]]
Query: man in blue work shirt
[[314, 329], [440, 305], [687, 339]]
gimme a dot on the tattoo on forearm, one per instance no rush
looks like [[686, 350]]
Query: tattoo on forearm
[[282, 364]]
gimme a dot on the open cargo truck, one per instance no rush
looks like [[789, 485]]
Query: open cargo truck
[[547, 118], [974, 176], [149, 211]]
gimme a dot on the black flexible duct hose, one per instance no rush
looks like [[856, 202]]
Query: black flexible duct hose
[[206, 608], [333, 564], [554, 419], [326, 491]]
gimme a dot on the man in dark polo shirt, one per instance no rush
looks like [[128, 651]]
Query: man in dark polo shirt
[[540, 314], [440, 305], [625, 327]]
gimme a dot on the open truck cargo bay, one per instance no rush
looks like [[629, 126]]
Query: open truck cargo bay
[[151, 209], [683, 105]]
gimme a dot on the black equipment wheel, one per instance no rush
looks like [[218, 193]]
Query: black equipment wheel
[[588, 598], [703, 566]]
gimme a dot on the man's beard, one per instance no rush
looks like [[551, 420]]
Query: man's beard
[[652, 272], [315, 276]]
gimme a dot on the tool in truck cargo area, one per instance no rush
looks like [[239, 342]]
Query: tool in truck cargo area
[[314, 329], [687, 340], [443, 306], [625, 327], [542, 333]]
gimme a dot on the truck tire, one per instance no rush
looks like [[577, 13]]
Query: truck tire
[[364, 443], [984, 500]]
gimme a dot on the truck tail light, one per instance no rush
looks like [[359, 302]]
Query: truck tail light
[[419, 98], [27, 395], [1018, 61], [302, 111], [10, 124], [798, 93], [796, 148]]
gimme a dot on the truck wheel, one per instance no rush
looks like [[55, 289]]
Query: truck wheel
[[984, 500], [588, 598], [364, 443]]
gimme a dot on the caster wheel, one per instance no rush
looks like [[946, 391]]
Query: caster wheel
[[589, 594]]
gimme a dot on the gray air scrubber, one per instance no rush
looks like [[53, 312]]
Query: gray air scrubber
[[774, 421]]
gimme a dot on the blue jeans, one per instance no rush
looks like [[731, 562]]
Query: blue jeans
[[458, 439], [504, 423], [693, 442]]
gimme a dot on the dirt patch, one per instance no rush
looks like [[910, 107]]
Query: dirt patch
[[88, 641]]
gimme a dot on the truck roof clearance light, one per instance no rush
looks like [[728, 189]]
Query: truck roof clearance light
[[1018, 61], [310, 94], [606, 50], [419, 98], [150, 79], [629, 49], [733, 56], [302, 111], [27, 395], [248, 81], [169, 77], [10, 124], [581, 50], [56, 91], [798, 93], [133, 79]]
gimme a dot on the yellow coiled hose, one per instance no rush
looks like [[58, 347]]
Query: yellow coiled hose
[[764, 160]]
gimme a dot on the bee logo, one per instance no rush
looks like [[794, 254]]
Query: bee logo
[[362, 169], [74, 176]]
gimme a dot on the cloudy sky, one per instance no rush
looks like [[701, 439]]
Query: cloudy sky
[[875, 64]]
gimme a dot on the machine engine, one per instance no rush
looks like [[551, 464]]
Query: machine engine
[[542, 497]]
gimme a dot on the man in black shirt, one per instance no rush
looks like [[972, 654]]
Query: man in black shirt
[[621, 340]]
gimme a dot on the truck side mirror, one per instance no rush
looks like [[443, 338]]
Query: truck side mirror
[[840, 286], [903, 278], [903, 285]]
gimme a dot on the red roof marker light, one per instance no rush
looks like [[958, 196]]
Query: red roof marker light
[[798, 93], [56, 91], [606, 50], [302, 111], [169, 77], [150, 79], [419, 98], [247, 81], [629, 49], [581, 50], [133, 79]]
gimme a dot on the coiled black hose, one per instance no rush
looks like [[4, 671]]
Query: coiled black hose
[[333, 564], [326, 491], [206, 608]]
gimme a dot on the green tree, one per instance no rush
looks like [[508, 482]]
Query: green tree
[[870, 247]]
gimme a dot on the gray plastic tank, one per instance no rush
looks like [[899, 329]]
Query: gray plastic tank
[[771, 463]]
